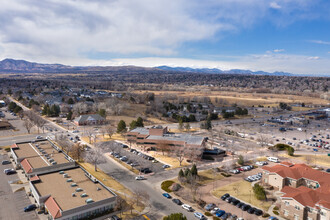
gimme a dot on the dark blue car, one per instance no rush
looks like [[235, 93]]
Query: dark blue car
[[220, 213], [167, 195], [30, 208]]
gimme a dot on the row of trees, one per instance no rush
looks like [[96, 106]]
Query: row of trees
[[51, 111], [122, 127], [31, 119]]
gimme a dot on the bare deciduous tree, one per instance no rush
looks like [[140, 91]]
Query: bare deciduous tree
[[89, 133], [180, 153], [95, 156], [28, 125]]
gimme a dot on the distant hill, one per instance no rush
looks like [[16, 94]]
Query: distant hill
[[218, 71], [22, 66]]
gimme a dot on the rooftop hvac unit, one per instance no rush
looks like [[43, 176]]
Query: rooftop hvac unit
[[65, 175], [61, 172], [83, 195], [89, 200]]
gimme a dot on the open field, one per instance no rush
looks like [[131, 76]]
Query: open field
[[243, 191], [172, 161], [247, 99], [323, 160]]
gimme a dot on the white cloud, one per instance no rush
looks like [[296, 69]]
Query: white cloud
[[275, 5], [292, 63], [278, 50], [320, 42], [313, 58]]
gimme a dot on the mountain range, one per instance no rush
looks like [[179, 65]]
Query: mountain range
[[23, 66]]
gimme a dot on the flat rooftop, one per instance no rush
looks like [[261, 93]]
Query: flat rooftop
[[36, 157], [56, 185]]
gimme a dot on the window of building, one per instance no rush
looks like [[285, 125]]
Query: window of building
[[296, 217], [309, 218], [286, 212], [286, 203], [297, 207]]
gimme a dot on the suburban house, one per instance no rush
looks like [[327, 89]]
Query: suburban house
[[94, 119], [157, 137], [306, 191]]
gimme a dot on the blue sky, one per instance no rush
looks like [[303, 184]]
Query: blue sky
[[268, 35]]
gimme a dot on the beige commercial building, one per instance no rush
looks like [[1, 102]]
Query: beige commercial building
[[306, 191]]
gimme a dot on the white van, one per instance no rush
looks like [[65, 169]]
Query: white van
[[273, 159]]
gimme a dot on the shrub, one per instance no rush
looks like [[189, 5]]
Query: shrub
[[166, 185], [265, 215], [215, 218], [7, 149], [175, 187], [175, 216], [276, 212], [208, 214], [259, 192], [225, 174], [240, 160], [276, 208]]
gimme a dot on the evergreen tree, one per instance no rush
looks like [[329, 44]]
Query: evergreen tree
[[70, 101], [121, 127], [180, 126], [139, 122], [187, 172], [102, 112], [133, 125], [193, 170], [181, 174], [69, 116]]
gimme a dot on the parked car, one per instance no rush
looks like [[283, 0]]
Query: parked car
[[235, 201], [9, 171], [115, 217], [229, 199], [220, 213], [177, 201], [5, 162], [215, 210], [199, 215], [30, 208], [39, 137], [245, 207], [187, 207], [328, 170], [145, 170], [235, 171], [224, 216], [167, 195], [251, 210], [225, 196], [258, 212], [166, 166], [240, 204], [210, 206], [140, 178]]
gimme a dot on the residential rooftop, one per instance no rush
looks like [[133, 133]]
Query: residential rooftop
[[61, 186]]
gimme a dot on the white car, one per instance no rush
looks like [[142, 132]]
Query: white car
[[199, 215], [140, 178], [216, 209], [187, 207]]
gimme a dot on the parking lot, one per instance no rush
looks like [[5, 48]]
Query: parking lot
[[12, 204], [139, 159]]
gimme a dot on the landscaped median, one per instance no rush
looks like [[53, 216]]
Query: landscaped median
[[323, 160], [242, 190]]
